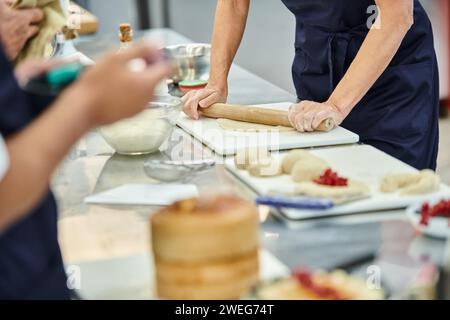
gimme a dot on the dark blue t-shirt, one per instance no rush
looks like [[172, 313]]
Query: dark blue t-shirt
[[31, 266]]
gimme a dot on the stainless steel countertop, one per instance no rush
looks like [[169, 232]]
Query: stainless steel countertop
[[90, 234]]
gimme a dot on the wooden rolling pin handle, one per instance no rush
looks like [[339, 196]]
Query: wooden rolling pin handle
[[257, 115], [326, 125]]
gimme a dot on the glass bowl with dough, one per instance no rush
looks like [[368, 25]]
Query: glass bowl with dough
[[147, 131]]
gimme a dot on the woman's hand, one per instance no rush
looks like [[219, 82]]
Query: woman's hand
[[17, 27], [111, 90], [108, 92], [307, 116], [203, 98]]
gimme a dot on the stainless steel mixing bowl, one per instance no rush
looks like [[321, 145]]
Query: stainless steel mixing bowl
[[190, 61]]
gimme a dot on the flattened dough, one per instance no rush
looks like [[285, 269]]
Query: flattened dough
[[311, 189], [231, 125], [426, 181]]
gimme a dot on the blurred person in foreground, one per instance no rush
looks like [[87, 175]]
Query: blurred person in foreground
[[31, 265]]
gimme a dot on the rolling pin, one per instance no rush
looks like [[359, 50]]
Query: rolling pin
[[257, 115]]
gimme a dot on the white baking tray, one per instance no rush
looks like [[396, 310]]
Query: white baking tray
[[361, 162]]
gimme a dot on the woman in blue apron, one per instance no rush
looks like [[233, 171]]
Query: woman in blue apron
[[398, 111]]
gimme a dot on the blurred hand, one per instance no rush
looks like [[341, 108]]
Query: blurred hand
[[306, 116], [111, 91], [32, 68], [17, 26], [204, 98]]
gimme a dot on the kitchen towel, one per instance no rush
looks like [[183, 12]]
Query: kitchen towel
[[54, 20]]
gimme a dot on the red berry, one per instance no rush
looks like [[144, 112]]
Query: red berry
[[331, 178], [441, 209]]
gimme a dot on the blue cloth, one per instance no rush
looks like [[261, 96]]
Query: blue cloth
[[400, 114], [31, 265]]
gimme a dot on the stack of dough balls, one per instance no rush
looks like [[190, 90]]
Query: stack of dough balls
[[206, 248], [258, 162], [423, 182]]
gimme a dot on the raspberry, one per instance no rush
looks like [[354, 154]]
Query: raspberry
[[442, 209], [331, 178], [305, 279]]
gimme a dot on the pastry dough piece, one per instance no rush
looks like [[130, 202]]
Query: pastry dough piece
[[429, 182], [245, 158], [423, 182], [312, 189], [267, 168], [393, 183], [308, 169], [346, 286], [232, 125], [292, 157]]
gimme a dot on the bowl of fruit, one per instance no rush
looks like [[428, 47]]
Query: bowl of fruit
[[431, 218]]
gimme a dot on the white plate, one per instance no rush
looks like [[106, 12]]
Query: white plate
[[225, 142], [144, 194], [438, 227], [359, 162]]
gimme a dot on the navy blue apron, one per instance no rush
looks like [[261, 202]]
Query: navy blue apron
[[400, 114], [31, 265]]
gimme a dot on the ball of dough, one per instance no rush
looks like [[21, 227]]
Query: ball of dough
[[245, 158], [292, 157], [308, 169], [266, 168]]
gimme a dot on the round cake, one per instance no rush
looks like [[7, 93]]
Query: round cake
[[206, 248]]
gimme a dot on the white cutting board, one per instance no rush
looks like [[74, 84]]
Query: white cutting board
[[361, 162], [229, 142]]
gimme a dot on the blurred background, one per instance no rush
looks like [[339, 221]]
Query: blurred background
[[268, 46], [270, 30]]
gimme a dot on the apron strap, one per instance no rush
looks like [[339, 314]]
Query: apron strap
[[337, 47]]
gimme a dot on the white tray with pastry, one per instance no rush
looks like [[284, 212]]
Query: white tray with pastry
[[432, 217], [320, 285], [226, 136], [353, 179]]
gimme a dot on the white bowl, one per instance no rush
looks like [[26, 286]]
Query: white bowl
[[147, 131]]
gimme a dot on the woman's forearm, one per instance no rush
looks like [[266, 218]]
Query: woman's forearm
[[34, 154], [374, 56], [229, 26]]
